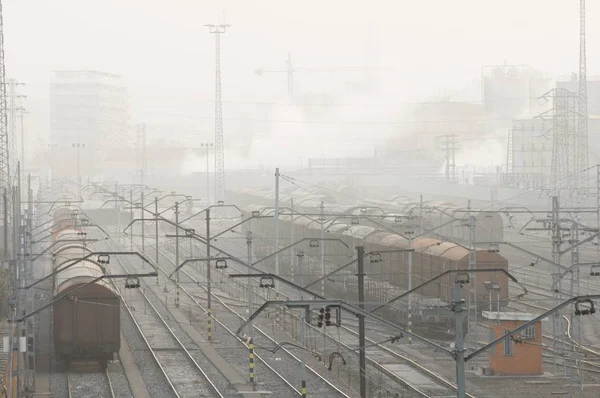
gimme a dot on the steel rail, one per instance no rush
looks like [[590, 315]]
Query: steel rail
[[146, 340], [255, 327], [185, 350], [389, 373]]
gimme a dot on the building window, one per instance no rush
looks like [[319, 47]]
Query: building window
[[528, 332], [508, 344]]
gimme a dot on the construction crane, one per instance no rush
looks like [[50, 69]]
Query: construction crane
[[290, 70]]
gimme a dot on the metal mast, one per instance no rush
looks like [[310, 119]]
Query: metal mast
[[217, 30], [564, 146], [12, 120], [142, 151], [4, 148], [582, 125]]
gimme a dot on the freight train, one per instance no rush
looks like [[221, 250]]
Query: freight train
[[372, 224], [444, 219], [86, 323]]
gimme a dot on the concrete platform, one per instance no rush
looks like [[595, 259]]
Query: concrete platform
[[136, 383], [243, 387]]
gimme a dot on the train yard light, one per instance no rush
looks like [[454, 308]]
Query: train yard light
[[313, 243], [595, 270], [354, 221], [220, 203]]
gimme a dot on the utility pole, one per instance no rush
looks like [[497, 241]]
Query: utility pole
[[207, 145], [410, 275], [131, 219], [300, 256], [448, 142], [250, 288], [598, 209], [208, 300], [302, 353], [218, 30], [458, 344], [360, 251], [23, 111], [575, 374], [277, 228], [142, 149], [556, 281], [142, 223], [156, 233], [292, 240], [472, 307], [5, 250], [322, 247], [177, 252]]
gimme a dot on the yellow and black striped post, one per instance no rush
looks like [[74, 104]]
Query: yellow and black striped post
[[303, 388], [209, 320], [251, 363]]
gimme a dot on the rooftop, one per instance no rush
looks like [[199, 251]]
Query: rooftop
[[508, 316]]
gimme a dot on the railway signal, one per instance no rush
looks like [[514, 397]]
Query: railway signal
[[267, 282], [132, 283], [320, 317]]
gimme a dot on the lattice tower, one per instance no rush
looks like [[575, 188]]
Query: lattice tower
[[582, 126], [4, 145], [12, 121], [564, 141], [217, 30]]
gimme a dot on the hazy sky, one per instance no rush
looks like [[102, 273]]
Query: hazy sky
[[167, 57]]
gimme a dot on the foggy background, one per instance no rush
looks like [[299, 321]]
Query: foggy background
[[427, 50]]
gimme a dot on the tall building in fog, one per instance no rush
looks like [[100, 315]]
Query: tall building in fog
[[88, 107], [512, 91]]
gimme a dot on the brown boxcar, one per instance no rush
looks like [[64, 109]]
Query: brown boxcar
[[86, 323]]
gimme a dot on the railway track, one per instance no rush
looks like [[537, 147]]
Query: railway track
[[397, 367], [185, 376], [89, 385], [289, 375]]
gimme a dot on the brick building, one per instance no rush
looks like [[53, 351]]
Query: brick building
[[519, 354]]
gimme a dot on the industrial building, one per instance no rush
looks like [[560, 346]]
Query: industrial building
[[90, 108]]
